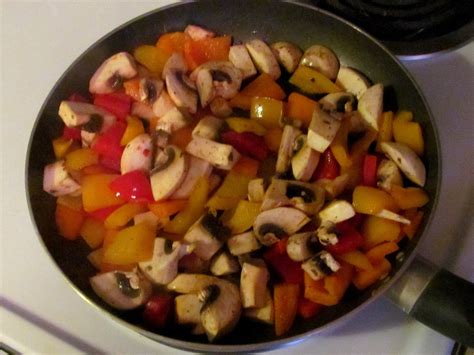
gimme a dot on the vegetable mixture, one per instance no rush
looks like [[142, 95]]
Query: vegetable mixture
[[209, 188]]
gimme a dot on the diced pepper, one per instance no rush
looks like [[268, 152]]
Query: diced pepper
[[130, 245], [132, 88], [95, 257], [93, 232], [163, 209], [96, 193], [287, 269], [357, 259], [96, 169], [134, 128], [101, 214], [365, 278], [246, 166], [273, 138], [193, 210], [385, 130], [403, 115], [415, 216], [133, 186], [73, 202], [339, 145], [61, 146], [240, 125], [371, 200], [171, 42], [122, 215], [409, 197], [76, 97], [369, 170], [108, 146], [246, 143], [241, 218], [151, 57], [285, 300], [182, 137], [328, 167], [80, 158], [68, 221], [377, 253], [377, 230], [310, 81], [72, 133], [158, 310], [407, 132], [300, 108], [232, 190], [205, 50], [118, 104], [266, 111], [348, 241], [308, 309]]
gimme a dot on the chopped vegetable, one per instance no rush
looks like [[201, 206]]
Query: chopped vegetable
[[285, 298]]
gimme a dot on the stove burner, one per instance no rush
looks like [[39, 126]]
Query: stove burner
[[410, 27]]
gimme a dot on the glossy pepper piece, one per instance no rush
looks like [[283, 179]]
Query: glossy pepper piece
[[81, 158], [96, 193], [171, 42], [158, 310], [134, 128], [339, 145], [232, 190], [409, 197], [377, 230], [151, 57], [285, 300], [163, 209], [266, 111], [246, 143], [108, 146], [310, 81], [370, 200], [369, 170], [278, 260], [118, 104], [124, 214], [408, 132], [328, 167], [133, 186], [204, 50], [300, 107]]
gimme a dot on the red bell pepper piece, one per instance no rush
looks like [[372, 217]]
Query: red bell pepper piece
[[76, 97], [288, 270], [369, 170], [349, 238], [108, 146], [102, 213], [133, 186], [328, 167], [159, 310], [118, 104], [72, 133], [247, 143], [308, 309]]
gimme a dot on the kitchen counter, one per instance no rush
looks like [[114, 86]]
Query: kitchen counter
[[40, 313]]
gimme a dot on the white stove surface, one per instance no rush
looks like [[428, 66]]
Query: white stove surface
[[40, 313]]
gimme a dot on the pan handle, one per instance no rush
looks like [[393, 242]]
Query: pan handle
[[437, 298]]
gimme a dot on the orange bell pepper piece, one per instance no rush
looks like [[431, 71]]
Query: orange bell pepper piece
[[68, 221], [377, 253], [61, 147], [416, 217], [266, 111], [93, 232], [80, 158], [409, 197], [122, 215], [365, 278], [273, 138], [182, 137], [134, 128], [132, 88], [285, 299], [300, 108], [246, 166], [377, 230], [171, 42], [205, 50], [339, 144], [308, 309], [357, 259], [96, 193], [163, 209]]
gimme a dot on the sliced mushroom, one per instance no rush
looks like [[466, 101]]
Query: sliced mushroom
[[392, 216], [304, 161], [148, 218], [150, 89], [256, 190], [77, 114], [220, 107], [188, 311], [320, 265], [302, 246], [253, 283], [271, 225], [322, 129], [263, 58], [371, 106], [407, 160], [222, 156], [57, 181], [173, 120], [388, 175], [243, 243], [162, 268], [240, 57], [168, 174], [285, 151], [265, 314], [97, 124], [193, 264], [287, 54], [111, 74], [163, 104], [322, 59], [224, 263], [338, 101], [334, 187], [205, 87], [352, 81], [208, 128], [327, 233], [142, 110], [181, 91], [197, 32], [122, 290], [337, 211], [198, 168], [175, 63], [137, 154]]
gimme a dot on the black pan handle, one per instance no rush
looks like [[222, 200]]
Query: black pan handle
[[437, 298]]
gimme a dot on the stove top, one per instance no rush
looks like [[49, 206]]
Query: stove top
[[410, 28]]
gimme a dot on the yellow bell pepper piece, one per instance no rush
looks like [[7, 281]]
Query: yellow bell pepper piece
[[385, 130], [408, 132], [80, 158], [370, 200], [233, 189], [122, 215], [339, 144], [377, 230], [153, 58], [68, 221], [403, 115], [311, 81], [266, 111], [242, 216], [193, 210], [73, 202], [240, 125], [409, 197], [357, 259], [365, 278], [96, 193], [61, 146], [93, 232], [134, 128], [130, 245]]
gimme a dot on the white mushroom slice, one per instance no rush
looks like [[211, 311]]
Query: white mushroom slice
[[334, 187], [188, 309], [122, 290], [320, 265], [256, 190], [224, 264], [322, 129], [352, 81], [287, 54], [197, 32], [337, 211], [111, 74], [253, 283], [222, 156], [208, 128], [285, 151], [407, 160], [168, 176], [304, 161], [388, 175], [371, 106], [143, 110], [163, 104], [338, 101], [172, 120], [392, 216], [198, 168], [327, 234], [57, 181], [148, 218], [96, 125], [175, 63], [220, 107], [205, 87], [137, 154], [150, 89], [207, 234], [271, 225], [265, 314], [181, 91], [193, 264], [322, 59], [76, 114], [162, 268], [263, 58], [239, 56], [243, 243], [302, 246]]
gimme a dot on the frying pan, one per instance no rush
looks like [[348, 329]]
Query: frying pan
[[438, 298]]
